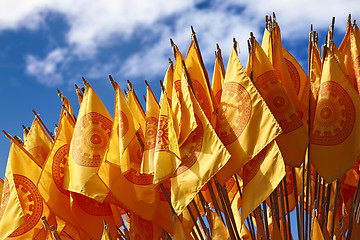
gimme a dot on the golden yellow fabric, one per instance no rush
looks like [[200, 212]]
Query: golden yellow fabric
[[1, 188], [51, 180], [65, 230], [335, 131], [87, 148], [316, 232], [355, 51], [184, 119], [245, 124], [37, 142], [142, 229], [141, 197], [22, 205], [202, 156], [293, 141], [260, 177], [198, 78], [275, 233], [219, 231], [167, 153], [179, 231], [152, 118], [137, 110], [218, 79]]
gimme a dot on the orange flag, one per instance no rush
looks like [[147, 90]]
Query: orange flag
[[87, 148], [137, 110], [22, 205], [1, 187], [141, 197], [294, 139], [199, 82], [202, 156], [152, 118], [218, 77], [242, 114], [355, 51], [37, 142], [260, 177], [142, 229], [335, 132]]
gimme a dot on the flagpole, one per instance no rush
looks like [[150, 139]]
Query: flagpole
[[336, 200], [42, 124], [282, 206], [205, 229], [287, 207]]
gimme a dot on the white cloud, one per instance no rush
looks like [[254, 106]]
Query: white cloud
[[47, 70], [97, 24]]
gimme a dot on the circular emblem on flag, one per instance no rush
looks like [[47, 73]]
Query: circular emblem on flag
[[91, 206], [234, 112], [191, 148], [134, 175], [124, 124], [278, 101], [150, 134], [5, 197], [59, 160], [167, 186], [334, 117], [162, 137], [252, 167], [31, 203], [91, 136], [200, 94], [294, 74]]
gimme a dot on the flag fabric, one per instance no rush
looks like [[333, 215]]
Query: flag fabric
[[142, 229], [179, 231], [87, 148], [37, 142], [184, 119], [275, 233], [167, 153], [152, 118], [50, 183], [260, 177], [199, 81], [218, 78], [22, 205], [219, 231], [355, 51], [141, 197], [335, 132], [137, 110], [168, 82], [202, 156], [293, 141], [242, 114], [1, 188], [316, 232]]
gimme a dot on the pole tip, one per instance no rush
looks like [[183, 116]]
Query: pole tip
[[83, 79], [147, 84]]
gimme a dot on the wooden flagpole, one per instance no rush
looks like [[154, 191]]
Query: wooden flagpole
[[42, 124]]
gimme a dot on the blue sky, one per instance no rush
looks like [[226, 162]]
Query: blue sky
[[51, 44]]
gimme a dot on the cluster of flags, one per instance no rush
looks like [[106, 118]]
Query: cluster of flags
[[227, 160]]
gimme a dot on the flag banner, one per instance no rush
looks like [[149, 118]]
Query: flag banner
[[87, 148], [37, 142], [142, 229], [293, 141], [218, 78], [355, 51], [335, 132], [245, 124], [137, 110]]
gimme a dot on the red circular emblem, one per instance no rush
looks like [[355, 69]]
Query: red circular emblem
[[91, 206], [162, 137], [59, 160], [252, 167], [234, 112], [278, 101], [124, 124], [294, 74], [31, 203], [191, 148], [150, 134], [200, 94], [5, 197], [91, 136], [334, 117], [218, 97]]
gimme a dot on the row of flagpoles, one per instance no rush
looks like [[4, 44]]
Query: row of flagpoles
[[227, 160]]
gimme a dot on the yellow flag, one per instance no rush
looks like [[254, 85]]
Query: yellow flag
[[241, 111], [168, 82], [106, 234], [51, 180], [202, 156], [219, 231], [137, 110], [142, 229], [1, 188], [316, 232], [260, 177], [179, 231], [20, 189], [275, 233], [199, 81], [345, 52], [218, 77], [334, 136], [184, 119], [141, 197], [87, 148], [152, 118], [67, 231], [355, 51], [167, 153], [37, 142], [294, 139]]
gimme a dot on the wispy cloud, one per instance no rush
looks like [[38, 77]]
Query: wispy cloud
[[93, 25]]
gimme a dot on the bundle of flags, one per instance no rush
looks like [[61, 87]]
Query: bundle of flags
[[234, 159]]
